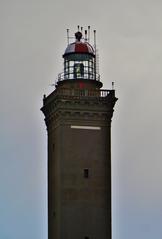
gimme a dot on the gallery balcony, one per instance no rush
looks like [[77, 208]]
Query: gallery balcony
[[79, 94], [84, 76]]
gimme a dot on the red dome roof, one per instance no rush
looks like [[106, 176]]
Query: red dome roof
[[79, 47]]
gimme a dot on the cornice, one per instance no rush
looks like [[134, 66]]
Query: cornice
[[64, 108]]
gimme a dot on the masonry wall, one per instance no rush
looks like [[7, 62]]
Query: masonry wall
[[79, 167], [85, 199]]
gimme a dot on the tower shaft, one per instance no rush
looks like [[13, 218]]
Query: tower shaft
[[79, 161]]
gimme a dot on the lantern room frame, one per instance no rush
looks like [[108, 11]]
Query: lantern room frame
[[80, 63]]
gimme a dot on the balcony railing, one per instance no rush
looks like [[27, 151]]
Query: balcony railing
[[71, 76], [66, 93], [83, 92]]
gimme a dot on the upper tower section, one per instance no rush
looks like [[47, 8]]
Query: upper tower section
[[80, 58]]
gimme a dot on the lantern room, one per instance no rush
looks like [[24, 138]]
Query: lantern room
[[80, 58]]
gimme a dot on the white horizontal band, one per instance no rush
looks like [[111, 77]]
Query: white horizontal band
[[85, 127]]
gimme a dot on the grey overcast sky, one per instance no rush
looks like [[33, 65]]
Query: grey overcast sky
[[129, 39]]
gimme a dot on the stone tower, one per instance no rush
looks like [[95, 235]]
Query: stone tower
[[78, 118]]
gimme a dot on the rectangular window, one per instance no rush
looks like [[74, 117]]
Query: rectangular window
[[86, 238], [86, 173]]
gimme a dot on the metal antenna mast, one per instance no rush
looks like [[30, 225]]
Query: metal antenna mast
[[89, 33], [68, 36], [95, 53]]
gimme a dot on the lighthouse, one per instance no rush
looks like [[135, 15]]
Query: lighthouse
[[78, 116]]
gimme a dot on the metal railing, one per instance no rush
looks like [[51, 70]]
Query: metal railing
[[67, 93], [83, 92], [71, 76]]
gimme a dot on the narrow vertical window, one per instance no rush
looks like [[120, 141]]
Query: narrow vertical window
[[86, 173]]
